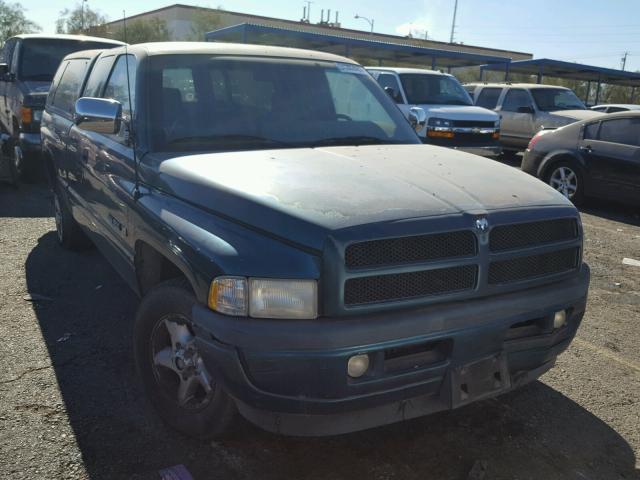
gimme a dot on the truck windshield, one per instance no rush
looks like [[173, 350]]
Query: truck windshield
[[40, 57], [426, 89], [550, 99], [201, 102]]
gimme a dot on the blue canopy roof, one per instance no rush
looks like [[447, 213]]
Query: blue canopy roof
[[561, 69]]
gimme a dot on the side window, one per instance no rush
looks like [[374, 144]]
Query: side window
[[515, 99], [617, 109], [70, 84], [390, 80], [354, 100], [488, 98], [98, 77], [55, 82], [117, 87], [13, 60], [623, 130], [591, 131], [7, 51]]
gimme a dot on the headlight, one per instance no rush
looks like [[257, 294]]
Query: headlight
[[37, 116], [497, 124], [264, 297], [440, 122]]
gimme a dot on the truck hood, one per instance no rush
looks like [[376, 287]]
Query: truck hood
[[460, 112], [575, 114], [304, 194]]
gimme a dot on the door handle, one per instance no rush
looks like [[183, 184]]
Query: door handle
[[587, 149]]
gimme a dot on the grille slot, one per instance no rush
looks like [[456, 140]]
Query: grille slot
[[398, 251], [508, 237], [402, 286], [473, 124], [524, 268]]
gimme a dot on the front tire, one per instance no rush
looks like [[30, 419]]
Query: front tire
[[69, 233], [566, 177], [173, 374]]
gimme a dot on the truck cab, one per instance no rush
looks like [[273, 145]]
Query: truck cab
[[26, 69], [451, 118]]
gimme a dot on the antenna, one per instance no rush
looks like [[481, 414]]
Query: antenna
[[132, 134]]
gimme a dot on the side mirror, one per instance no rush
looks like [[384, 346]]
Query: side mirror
[[4, 69], [525, 110], [395, 96], [100, 115], [417, 118]]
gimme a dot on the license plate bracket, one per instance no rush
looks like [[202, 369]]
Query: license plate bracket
[[480, 379]]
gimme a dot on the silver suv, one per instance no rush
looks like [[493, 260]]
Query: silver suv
[[526, 108]]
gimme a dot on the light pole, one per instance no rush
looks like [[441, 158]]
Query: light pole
[[82, 15], [370, 22]]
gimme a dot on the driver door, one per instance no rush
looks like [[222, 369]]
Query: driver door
[[516, 118]]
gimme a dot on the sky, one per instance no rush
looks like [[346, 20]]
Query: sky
[[594, 32]]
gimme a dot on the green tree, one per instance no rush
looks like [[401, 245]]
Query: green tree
[[79, 19], [141, 31], [204, 22], [13, 21]]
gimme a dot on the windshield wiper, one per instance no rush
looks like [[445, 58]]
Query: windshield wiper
[[234, 139], [352, 140]]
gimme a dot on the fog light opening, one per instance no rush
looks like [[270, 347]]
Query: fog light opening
[[560, 319], [358, 365]]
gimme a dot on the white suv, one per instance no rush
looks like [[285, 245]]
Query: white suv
[[451, 118]]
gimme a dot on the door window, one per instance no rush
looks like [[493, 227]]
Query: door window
[[70, 84], [488, 98], [622, 130], [389, 80], [515, 99], [591, 131], [98, 77], [120, 83]]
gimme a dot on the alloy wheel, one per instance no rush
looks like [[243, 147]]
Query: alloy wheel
[[177, 365], [565, 181]]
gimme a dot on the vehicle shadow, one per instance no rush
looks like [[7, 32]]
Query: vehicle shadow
[[31, 201], [610, 210], [535, 432]]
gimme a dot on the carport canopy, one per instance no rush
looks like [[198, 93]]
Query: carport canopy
[[569, 70], [353, 46]]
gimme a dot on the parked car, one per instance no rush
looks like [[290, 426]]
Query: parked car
[[302, 257], [525, 109], [451, 118], [592, 158], [26, 68], [615, 107]]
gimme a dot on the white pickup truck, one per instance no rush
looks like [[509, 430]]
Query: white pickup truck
[[451, 118]]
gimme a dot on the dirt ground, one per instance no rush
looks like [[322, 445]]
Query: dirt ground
[[71, 405]]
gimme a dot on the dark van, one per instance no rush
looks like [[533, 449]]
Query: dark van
[[27, 67]]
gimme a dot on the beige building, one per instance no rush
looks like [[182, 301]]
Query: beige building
[[185, 22]]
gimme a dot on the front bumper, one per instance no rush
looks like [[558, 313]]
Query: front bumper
[[492, 151], [289, 376]]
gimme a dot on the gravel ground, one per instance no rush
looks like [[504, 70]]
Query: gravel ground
[[71, 405]]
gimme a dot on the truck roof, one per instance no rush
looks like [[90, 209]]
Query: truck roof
[[409, 70], [518, 85], [84, 54], [219, 48], [62, 36]]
